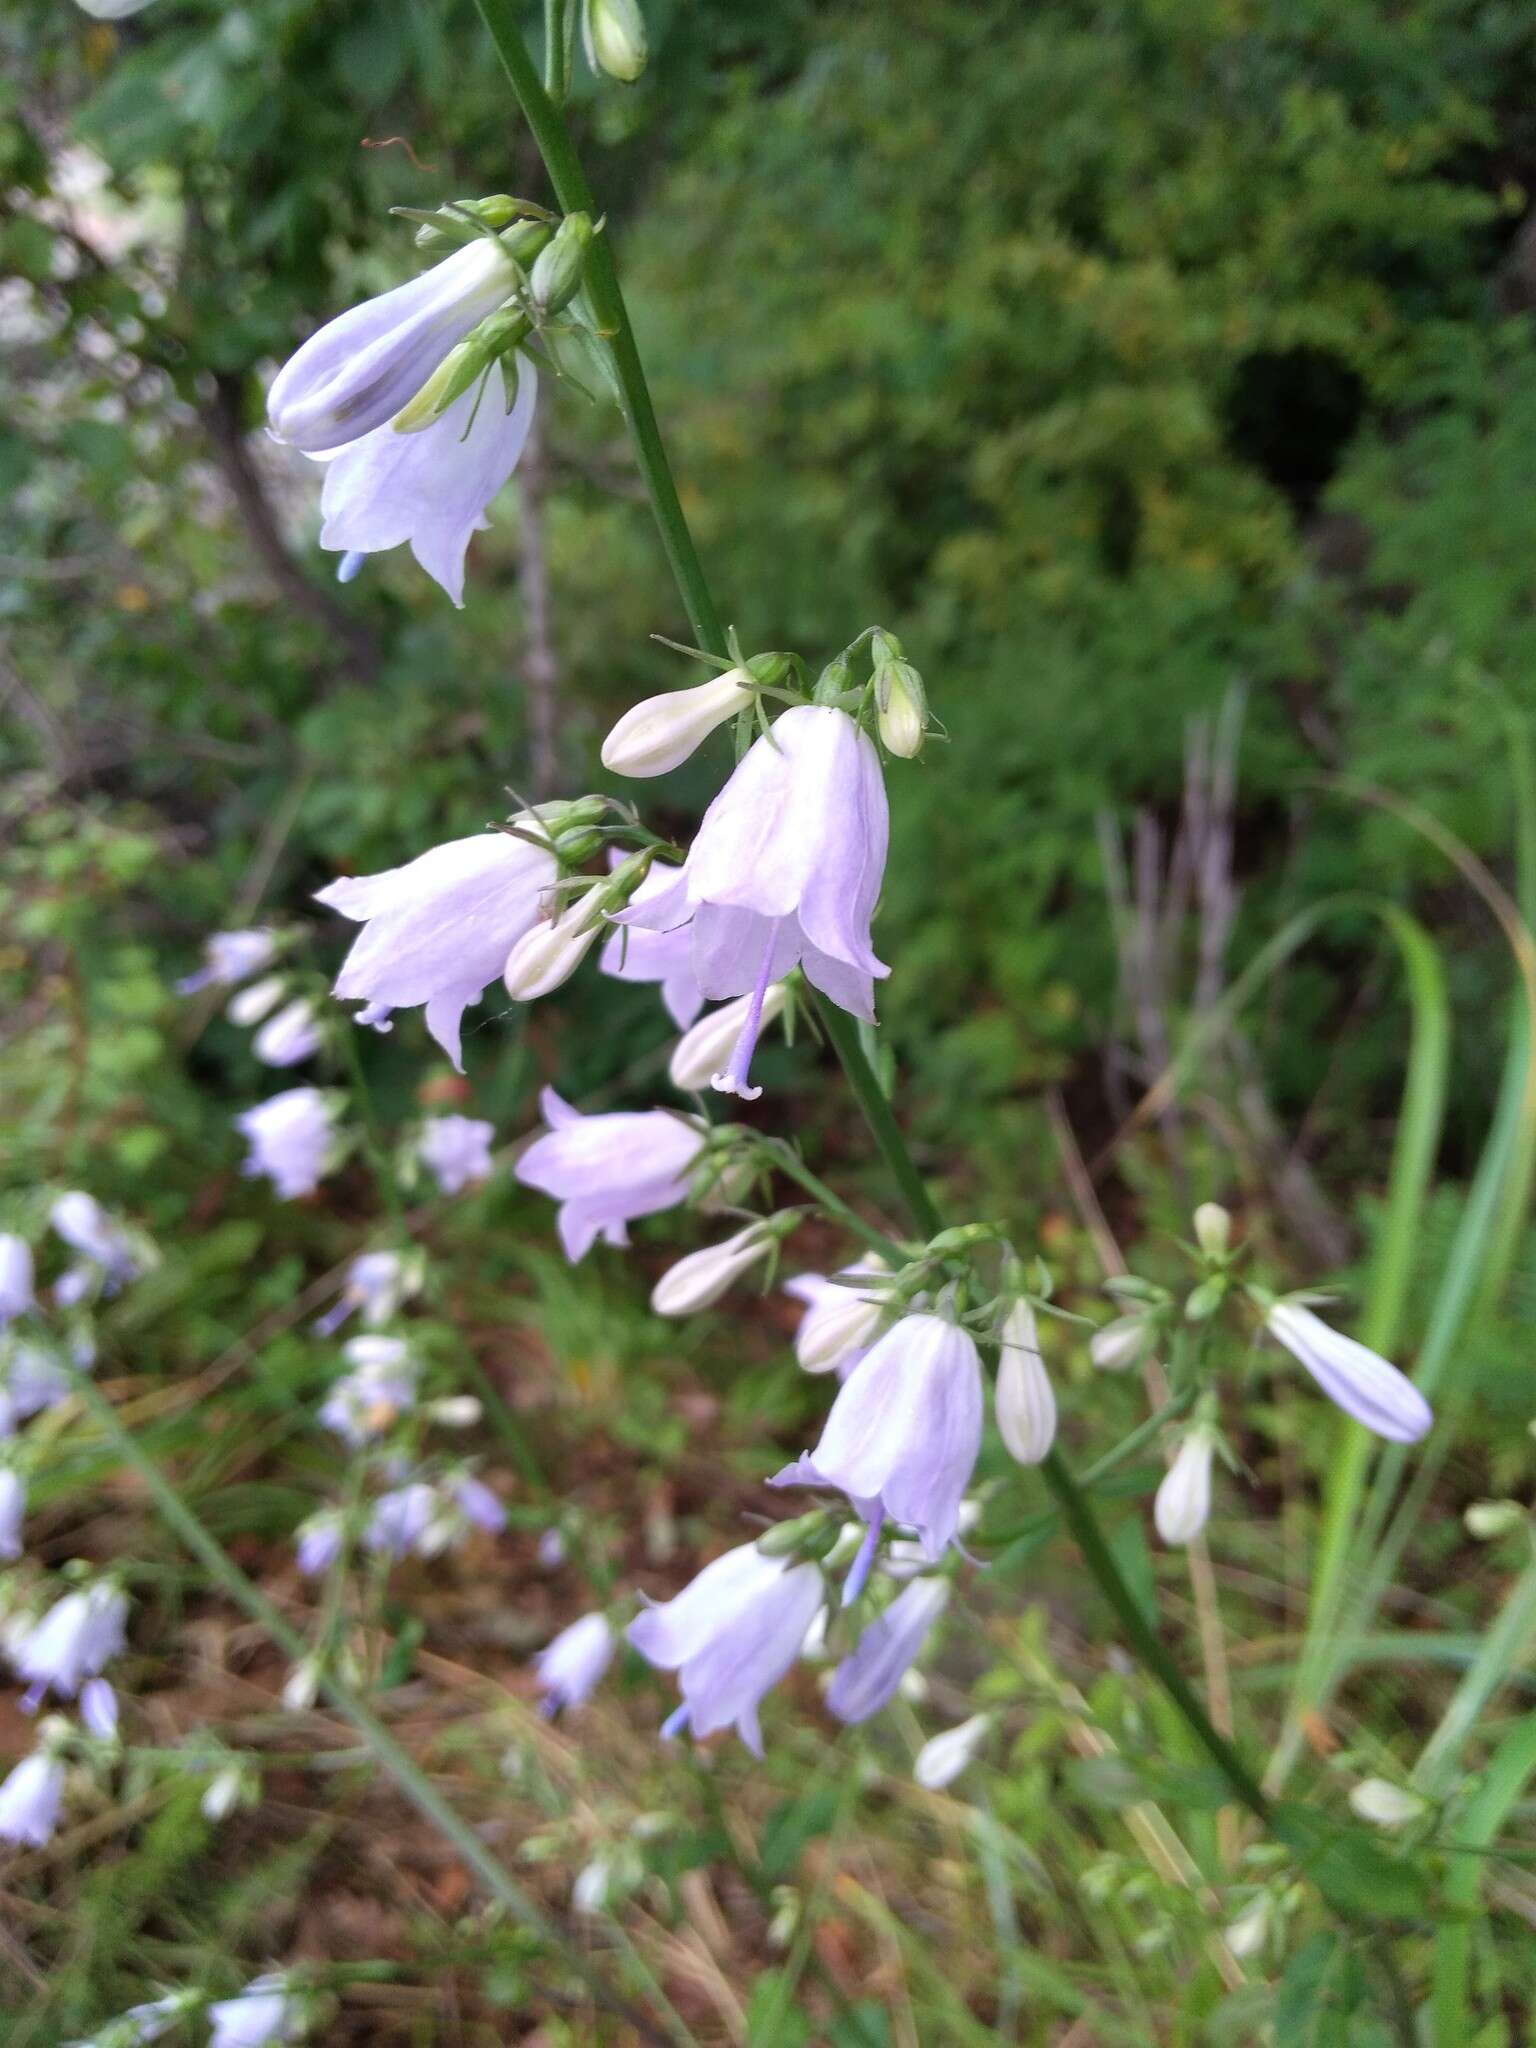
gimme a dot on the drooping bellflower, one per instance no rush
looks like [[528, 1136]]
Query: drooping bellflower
[[457, 1149], [261, 2015], [730, 1636], [16, 1295], [30, 1800], [291, 1138], [228, 957], [571, 1668], [606, 1170], [1183, 1503], [438, 930], [375, 1286], [71, 1642], [785, 871], [869, 1677], [86, 1228], [379, 1387], [1354, 1377]]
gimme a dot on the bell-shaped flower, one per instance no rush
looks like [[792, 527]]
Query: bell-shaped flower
[[660, 733], [703, 1054], [697, 1281], [457, 1150], [1354, 1377], [571, 1668], [630, 954], [431, 488], [16, 1295], [292, 1139], [841, 1320], [785, 870], [438, 930], [366, 365], [30, 1800], [375, 1286], [33, 1378], [476, 1503], [903, 1435], [290, 1037], [943, 1757], [869, 1678], [730, 1636], [606, 1170], [1025, 1402], [377, 1390], [262, 2015], [318, 1542], [71, 1642], [13, 1510], [98, 1709], [404, 1520], [1183, 1504], [86, 1227], [229, 957]]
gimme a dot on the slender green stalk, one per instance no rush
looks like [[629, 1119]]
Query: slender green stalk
[[789, 1162], [413, 1782], [1499, 1654], [1511, 1767], [844, 1035], [544, 118]]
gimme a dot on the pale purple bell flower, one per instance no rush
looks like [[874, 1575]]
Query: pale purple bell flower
[[13, 1510], [635, 954], [98, 1709], [869, 1678], [402, 1520], [457, 1150], [438, 930], [785, 870], [552, 1549], [430, 488], [16, 1292], [290, 1037], [360, 369], [606, 1170], [571, 1668], [229, 957], [71, 1642], [291, 1139], [903, 1435], [258, 2017], [1353, 1377], [730, 1635], [318, 1541], [30, 1800], [86, 1228], [375, 1286], [477, 1504], [377, 1390], [841, 1320], [32, 1378]]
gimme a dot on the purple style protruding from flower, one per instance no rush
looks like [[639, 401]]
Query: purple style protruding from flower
[[430, 488], [730, 1636], [457, 1149], [291, 1140], [571, 1668], [98, 1708], [16, 1290], [905, 1430], [438, 930], [71, 1643], [229, 957], [30, 1800], [1353, 1377], [785, 870], [665, 957], [13, 1509], [868, 1678], [606, 1170]]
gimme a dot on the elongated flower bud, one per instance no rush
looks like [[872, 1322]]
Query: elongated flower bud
[[556, 276], [1386, 1805], [551, 953], [257, 1001], [1213, 1230], [464, 365], [705, 1048], [943, 1757], [613, 33], [698, 1281], [1360, 1382], [1026, 1405], [1120, 1343], [661, 732], [1183, 1503]]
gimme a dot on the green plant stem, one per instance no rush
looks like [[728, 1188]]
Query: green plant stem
[[789, 1162], [1510, 1768], [414, 1783], [569, 180], [575, 195], [1501, 1652]]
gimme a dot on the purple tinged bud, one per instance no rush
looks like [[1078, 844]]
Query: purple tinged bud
[[785, 870], [730, 1635], [943, 1757], [291, 1138], [552, 1550], [438, 931], [457, 1149], [249, 1005], [16, 1295], [698, 1281], [98, 1709], [73, 1640], [606, 1170], [1354, 1377], [30, 1800], [869, 1678], [318, 1543], [229, 957], [13, 1508], [290, 1037], [659, 734], [571, 1668], [905, 1430], [478, 1505]]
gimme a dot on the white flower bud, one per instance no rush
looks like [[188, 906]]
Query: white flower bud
[[1247, 1933], [1183, 1503], [1213, 1230], [841, 1320], [455, 1411], [902, 713], [254, 1003], [1026, 1405], [698, 1281], [613, 32], [589, 1894], [303, 1686], [707, 1046], [1120, 1343], [1488, 1519], [658, 734], [223, 1794], [943, 1757], [1386, 1805], [552, 951]]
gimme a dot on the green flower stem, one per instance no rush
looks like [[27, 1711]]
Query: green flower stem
[[575, 196], [414, 1783], [544, 118], [789, 1162]]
